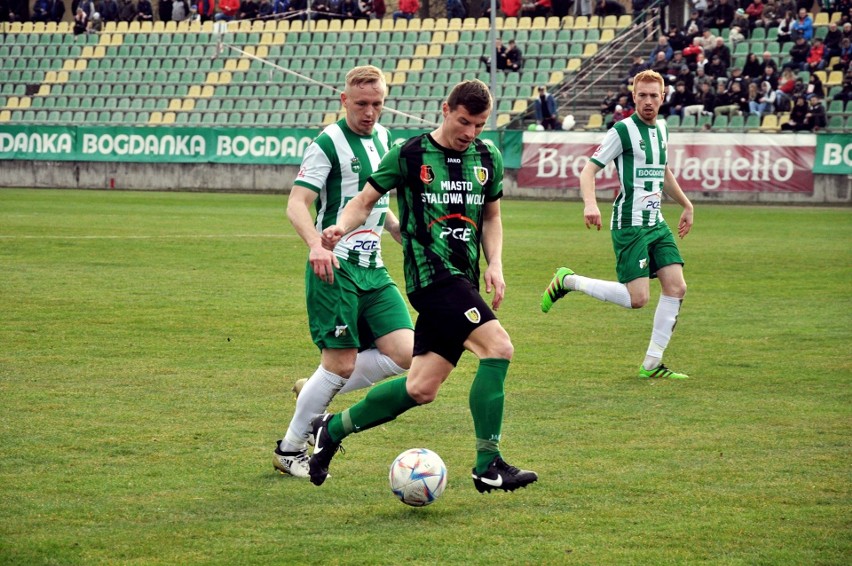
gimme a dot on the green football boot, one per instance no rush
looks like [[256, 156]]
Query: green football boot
[[556, 290], [660, 371]]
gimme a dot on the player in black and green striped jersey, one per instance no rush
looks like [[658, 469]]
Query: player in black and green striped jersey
[[644, 245], [449, 184]]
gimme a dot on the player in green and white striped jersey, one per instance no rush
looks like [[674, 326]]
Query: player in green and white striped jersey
[[644, 245], [352, 302]]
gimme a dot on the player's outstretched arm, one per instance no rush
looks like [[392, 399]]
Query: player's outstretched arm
[[299, 205], [672, 188], [354, 214], [492, 245], [392, 226], [591, 212]]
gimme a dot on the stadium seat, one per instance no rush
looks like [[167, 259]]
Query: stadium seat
[[595, 122], [769, 123]]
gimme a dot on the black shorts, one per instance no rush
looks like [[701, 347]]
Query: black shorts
[[447, 312]]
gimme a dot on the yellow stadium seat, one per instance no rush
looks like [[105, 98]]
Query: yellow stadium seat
[[483, 23], [421, 51], [769, 123], [398, 78], [510, 23], [400, 24], [63, 27], [374, 25], [296, 26], [88, 52], [25, 102], [5, 115], [609, 22], [524, 22], [188, 105], [821, 19], [573, 65], [194, 91], [329, 118], [434, 50], [539, 22], [156, 117], [835, 16], [212, 77], [13, 102], [15, 27], [556, 77], [361, 25], [595, 122], [175, 104], [348, 25], [416, 65], [414, 24], [452, 36], [835, 78], [27, 27], [387, 24], [158, 27], [519, 105], [169, 118], [581, 22], [44, 90], [503, 119], [230, 65], [590, 49], [607, 35], [134, 27], [568, 22], [225, 77], [442, 23], [439, 37], [261, 52], [100, 52], [403, 65], [207, 91], [109, 27], [594, 22], [62, 76], [468, 23], [50, 77], [553, 22]]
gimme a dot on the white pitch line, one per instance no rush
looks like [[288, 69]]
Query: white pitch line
[[165, 237]]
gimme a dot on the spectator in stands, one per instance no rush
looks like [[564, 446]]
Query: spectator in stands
[[799, 52], [722, 51], [108, 9], [249, 8], [707, 41], [676, 62], [764, 102], [165, 9], [81, 22], [56, 11], [264, 10], [785, 27], [609, 101], [814, 87], [180, 10], [560, 7], [511, 8], [769, 75], [847, 30], [536, 8], [485, 9], [545, 110], [639, 65], [816, 56], [661, 47], [144, 11], [514, 57], [721, 16], [796, 122], [769, 18], [320, 8], [605, 8], [726, 102], [691, 53], [456, 9], [694, 26], [41, 11], [845, 93], [87, 5], [736, 36], [229, 9], [784, 94], [803, 26], [660, 64], [127, 11], [407, 9], [377, 9], [619, 113], [705, 102], [680, 99], [831, 41], [499, 56], [702, 77], [754, 11], [351, 10], [815, 119], [716, 68], [768, 61], [741, 21], [752, 95], [677, 39], [206, 10], [845, 56], [96, 23]]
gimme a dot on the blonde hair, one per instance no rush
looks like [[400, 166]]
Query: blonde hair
[[649, 76], [365, 74]]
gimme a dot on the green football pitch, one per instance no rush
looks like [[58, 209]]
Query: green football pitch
[[149, 342]]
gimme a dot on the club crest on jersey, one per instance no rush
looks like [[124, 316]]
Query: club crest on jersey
[[355, 164], [642, 145], [643, 263], [426, 174], [481, 174], [473, 315]]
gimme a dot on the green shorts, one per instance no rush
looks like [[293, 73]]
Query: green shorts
[[640, 252], [361, 305]]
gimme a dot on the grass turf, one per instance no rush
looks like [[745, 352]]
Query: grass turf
[[149, 342]]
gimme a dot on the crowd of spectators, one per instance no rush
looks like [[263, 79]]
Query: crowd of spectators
[[704, 77]]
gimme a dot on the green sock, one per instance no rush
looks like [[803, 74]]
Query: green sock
[[383, 403], [486, 407]]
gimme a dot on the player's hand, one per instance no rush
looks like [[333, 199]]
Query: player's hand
[[592, 216], [323, 262], [685, 224], [331, 235], [494, 282]]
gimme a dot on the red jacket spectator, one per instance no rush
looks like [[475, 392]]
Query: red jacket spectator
[[512, 8], [816, 55], [409, 6], [229, 7]]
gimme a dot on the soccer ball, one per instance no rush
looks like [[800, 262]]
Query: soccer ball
[[418, 477]]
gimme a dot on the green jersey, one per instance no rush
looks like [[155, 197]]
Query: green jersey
[[640, 154], [336, 166], [441, 195]]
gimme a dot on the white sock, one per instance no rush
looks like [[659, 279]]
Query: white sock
[[371, 366], [313, 400], [665, 320], [607, 291]]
